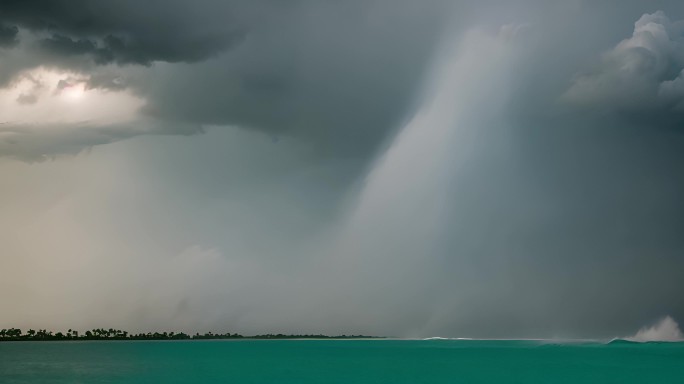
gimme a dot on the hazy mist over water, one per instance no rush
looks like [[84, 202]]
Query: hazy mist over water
[[484, 169]]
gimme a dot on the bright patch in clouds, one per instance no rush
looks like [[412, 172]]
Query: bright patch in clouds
[[74, 92], [47, 113], [47, 97]]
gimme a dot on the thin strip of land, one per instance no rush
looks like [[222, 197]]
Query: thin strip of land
[[16, 334]]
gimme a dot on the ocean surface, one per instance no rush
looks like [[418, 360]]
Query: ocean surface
[[340, 361]]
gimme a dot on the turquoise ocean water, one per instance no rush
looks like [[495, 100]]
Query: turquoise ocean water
[[339, 361]]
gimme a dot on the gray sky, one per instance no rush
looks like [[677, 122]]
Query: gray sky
[[448, 168]]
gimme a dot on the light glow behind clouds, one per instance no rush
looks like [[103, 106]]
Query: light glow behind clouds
[[42, 96]]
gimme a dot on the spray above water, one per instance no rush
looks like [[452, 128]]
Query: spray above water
[[664, 330]]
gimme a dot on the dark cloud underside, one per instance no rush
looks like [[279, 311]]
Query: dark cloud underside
[[128, 32], [8, 35]]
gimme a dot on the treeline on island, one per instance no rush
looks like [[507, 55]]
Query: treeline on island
[[15, 334]]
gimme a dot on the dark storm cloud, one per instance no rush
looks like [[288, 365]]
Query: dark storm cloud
[[119, 50], [129, 32], [8, 35], [106, 80], [339, 74]]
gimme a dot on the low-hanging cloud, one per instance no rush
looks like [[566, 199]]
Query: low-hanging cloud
[[129, 32], [8, 36], [340, 75]]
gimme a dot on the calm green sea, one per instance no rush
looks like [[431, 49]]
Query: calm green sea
[[339, 361]]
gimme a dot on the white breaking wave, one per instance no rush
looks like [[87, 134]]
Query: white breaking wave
[[664, 330]]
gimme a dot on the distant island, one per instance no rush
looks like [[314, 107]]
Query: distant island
[[16, 334]]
